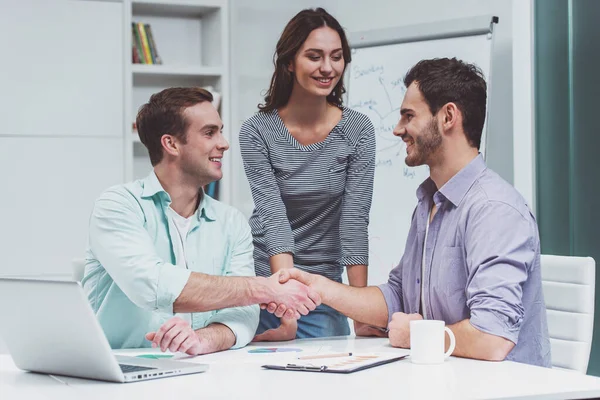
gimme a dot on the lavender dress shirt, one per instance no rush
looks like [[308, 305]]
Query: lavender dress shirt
[[482, 262]]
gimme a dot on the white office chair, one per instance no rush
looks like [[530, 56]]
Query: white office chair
[[569, 285], [77, 269]]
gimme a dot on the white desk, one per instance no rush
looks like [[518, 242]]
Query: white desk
[[237, 374]]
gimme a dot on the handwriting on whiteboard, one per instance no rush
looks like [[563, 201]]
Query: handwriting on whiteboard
[[383, 107]]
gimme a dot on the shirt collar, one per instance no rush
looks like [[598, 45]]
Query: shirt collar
[[207, 207], [151, 187], [455, 189], [426, 189]]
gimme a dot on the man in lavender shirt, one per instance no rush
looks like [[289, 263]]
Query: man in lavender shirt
[[472, 256]]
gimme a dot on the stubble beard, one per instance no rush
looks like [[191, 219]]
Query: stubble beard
[[425, 145]]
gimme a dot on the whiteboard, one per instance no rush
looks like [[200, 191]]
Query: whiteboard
[[376, 88]]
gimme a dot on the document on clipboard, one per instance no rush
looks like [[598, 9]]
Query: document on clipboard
[[344, 363]]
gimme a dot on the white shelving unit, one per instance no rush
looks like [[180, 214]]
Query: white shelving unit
[[192, 39], [175, 71]]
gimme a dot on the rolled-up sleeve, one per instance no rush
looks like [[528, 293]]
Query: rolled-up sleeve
[[392, 291], [242, 321], [124, 248], [265, 191], [498, 266], [358, 193]]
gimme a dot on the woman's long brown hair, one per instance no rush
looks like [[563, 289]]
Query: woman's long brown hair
[[292, 38]]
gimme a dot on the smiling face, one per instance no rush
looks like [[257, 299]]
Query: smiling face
[[319, 63], [200, 157], [418, 128]]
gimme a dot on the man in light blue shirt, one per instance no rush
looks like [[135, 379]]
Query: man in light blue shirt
[[472, 256], [167, 265]]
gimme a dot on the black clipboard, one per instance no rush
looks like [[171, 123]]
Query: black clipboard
[[324, 368]]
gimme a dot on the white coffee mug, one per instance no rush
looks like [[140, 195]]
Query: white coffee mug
[[427, 342]]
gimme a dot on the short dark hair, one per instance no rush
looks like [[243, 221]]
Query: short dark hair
[[445, 80], [292, 38], [163, 115]]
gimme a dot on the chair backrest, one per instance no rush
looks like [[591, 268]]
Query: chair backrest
[[569, 287], [77, 269]]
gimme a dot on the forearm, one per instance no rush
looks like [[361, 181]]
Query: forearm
[[357, 275], [363, 304], [473, 343], [218, 337], [204, 292], [281, 261]]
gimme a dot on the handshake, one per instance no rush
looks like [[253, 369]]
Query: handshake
[[291, 293], [288, 294]]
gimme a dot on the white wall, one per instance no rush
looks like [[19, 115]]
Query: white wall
[[256, 27], [61, 137]]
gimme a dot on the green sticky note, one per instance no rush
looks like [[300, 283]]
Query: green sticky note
[[155, 356]]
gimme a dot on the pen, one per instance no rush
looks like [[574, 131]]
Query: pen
[[325, 356], [306, 367]]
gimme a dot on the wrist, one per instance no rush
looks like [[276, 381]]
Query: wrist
[[319, 284], [207, 342], [260, 290], [217, 337]]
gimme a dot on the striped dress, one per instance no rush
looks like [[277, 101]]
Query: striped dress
[[312, 201]]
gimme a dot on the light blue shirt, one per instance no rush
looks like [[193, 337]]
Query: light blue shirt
[[131, 276], [482, 262]]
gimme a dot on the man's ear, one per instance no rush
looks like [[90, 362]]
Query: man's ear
[[170, 144], [450, 116]]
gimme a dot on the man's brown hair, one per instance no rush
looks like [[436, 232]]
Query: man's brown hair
[[445, 80], [163, 115]]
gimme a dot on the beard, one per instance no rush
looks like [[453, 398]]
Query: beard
[[426, 144]]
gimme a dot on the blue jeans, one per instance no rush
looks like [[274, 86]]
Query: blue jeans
[[323, 321]]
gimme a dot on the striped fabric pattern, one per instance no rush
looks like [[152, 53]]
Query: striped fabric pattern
[[312, 201]]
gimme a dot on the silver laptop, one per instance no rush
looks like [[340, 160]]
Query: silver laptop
[[49, 327]]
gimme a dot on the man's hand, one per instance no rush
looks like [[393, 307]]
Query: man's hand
[[292, 296], [361, 329], [285, 276], [399, 329], [177, 335], [286, 331], [301, 276]]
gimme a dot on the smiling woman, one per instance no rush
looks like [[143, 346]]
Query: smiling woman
[[310, 163]]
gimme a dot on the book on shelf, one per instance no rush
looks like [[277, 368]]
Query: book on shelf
[[143, 44], [136, 45], [155, 57]]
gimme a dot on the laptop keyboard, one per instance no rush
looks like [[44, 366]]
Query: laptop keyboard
[[133, 368]]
